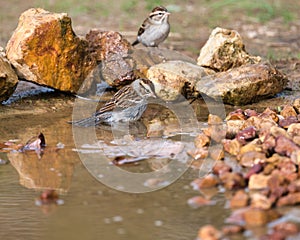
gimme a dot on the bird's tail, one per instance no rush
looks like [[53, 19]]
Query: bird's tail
[[86, 122], [135, 42]]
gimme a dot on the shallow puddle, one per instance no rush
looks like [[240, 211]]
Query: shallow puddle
[[91, 209]]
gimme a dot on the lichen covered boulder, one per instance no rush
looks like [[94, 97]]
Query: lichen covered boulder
[[45, 50], [8, 78]]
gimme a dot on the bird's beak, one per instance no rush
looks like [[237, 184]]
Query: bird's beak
[[153, 95]]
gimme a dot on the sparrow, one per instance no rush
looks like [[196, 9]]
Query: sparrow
[[127, 105], [155, 28]]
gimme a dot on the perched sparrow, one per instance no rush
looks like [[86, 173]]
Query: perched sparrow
[[155, 29], [128, 104]]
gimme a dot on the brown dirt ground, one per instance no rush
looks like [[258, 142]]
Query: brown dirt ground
[[191, 24]]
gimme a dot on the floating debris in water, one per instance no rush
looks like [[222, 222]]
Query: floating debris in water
[[35, 143]]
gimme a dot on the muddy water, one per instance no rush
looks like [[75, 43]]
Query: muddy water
[[91, 210]]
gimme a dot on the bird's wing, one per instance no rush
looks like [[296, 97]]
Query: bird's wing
[[122, 99], [143, 27]]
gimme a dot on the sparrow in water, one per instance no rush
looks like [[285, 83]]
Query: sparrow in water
[[127, 105], [155, 29]]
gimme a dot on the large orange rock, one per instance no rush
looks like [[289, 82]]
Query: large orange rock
[[44, 49]]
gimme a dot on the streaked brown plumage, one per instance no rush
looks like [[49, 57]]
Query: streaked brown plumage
[[155, 28], [128, 104]]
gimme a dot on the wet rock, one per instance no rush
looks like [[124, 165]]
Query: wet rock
[[278, 131], [286, 122], [216, 152], [209, 232], [294, 186], [233, 147], [269, 113], [248, 159], [232, 180], [285, 146], [269, 168], [256, 168], [8, 77], [233, 127], [214, 119], [201, 140], [232, 229], [286, 228], [243, 85], [269, 144], [294, 129], [296, 139], [221, 167], [198, 201], [171, 77], [288, 111], [215, 132], [238, 114], [253, 146], [260, 123], [104, 44], [155, 128], [295, 157], [276, 186], [275, 158], [287, 167], [258, 181], [260, 201], [198, 153], [296, 104], [44, 49], [237, 216], [239, 200], [259, 217], [290, 199], [224, 50], [246, 134], [208, 181], [250, 113], [274, 235]]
